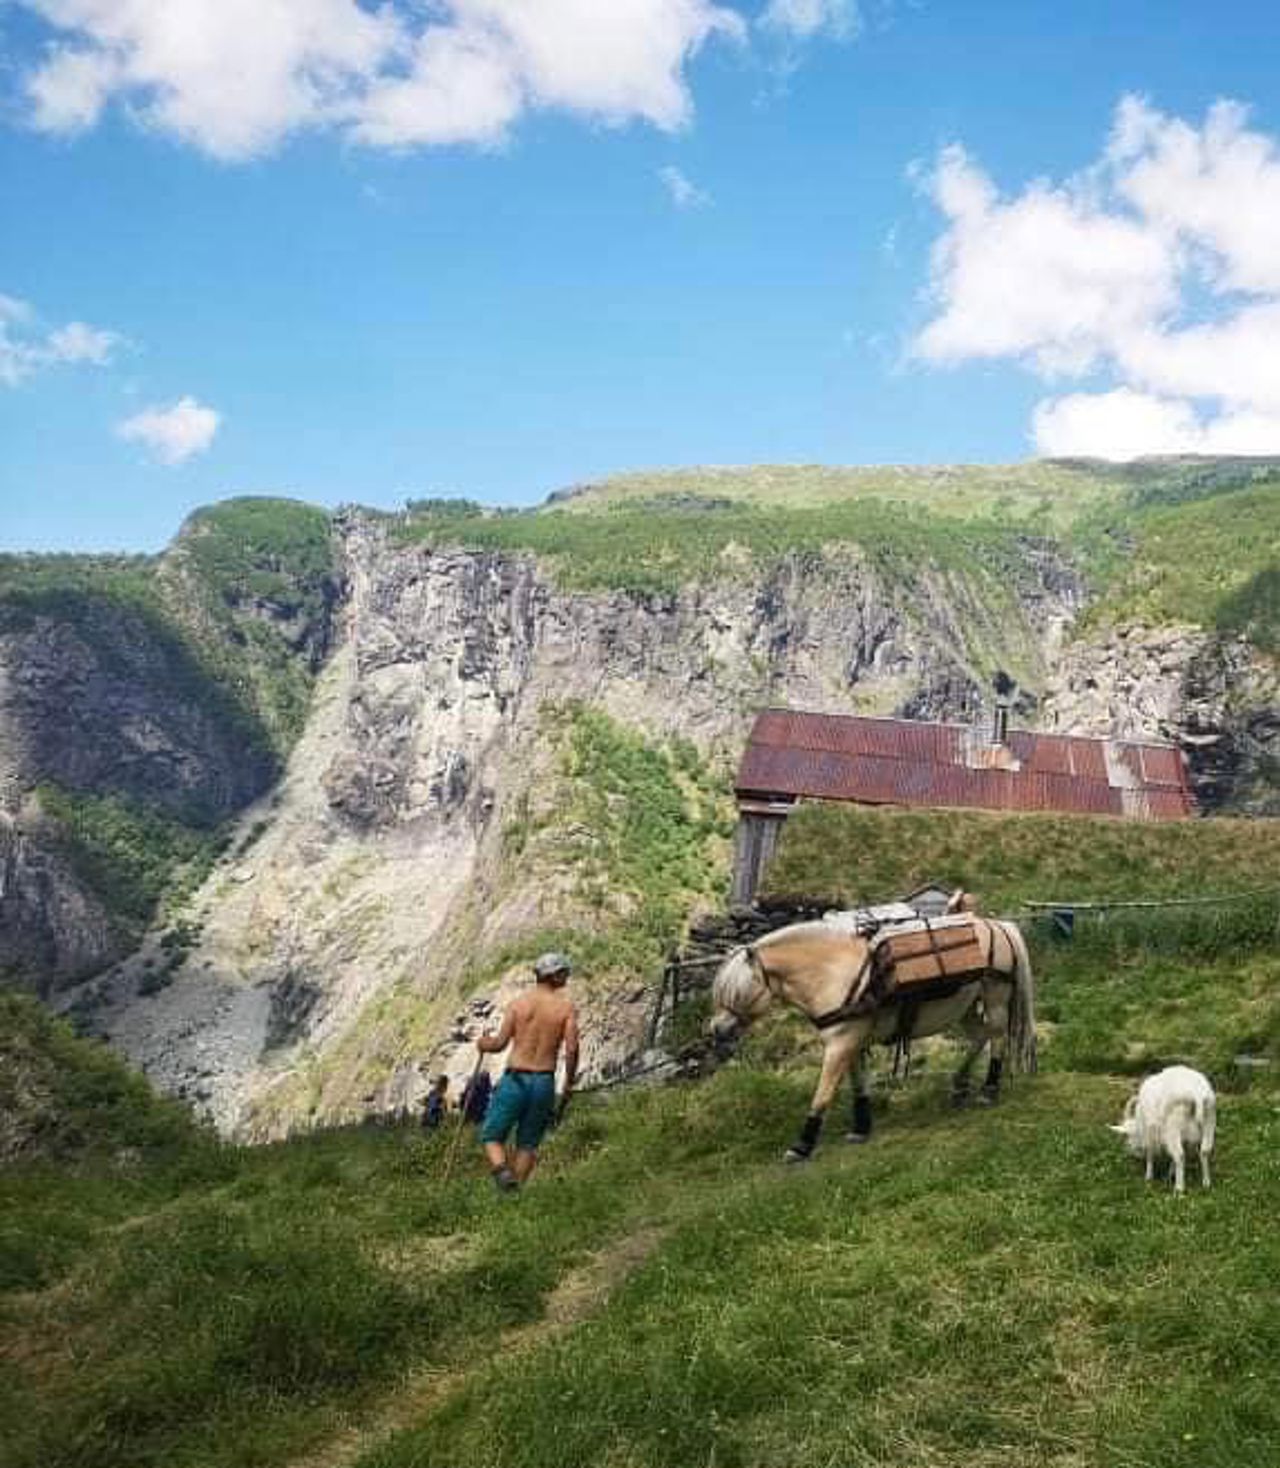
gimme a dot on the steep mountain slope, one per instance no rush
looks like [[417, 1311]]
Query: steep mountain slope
[[142, 704], [523, 731]]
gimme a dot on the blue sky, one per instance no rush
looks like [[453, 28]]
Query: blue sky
[[502, 253]]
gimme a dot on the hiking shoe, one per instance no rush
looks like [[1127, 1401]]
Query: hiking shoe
[[504, 1180]]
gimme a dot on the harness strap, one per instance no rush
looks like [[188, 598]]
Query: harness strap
[[849, 1005]]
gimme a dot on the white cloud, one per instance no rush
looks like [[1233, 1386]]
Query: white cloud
[[1159, 267], [805, 19], [1125, 424], [1048, 277], [76, 342], [1216, 187], [236, 77], [26, 348], [685, 194], [231, 76], [174, 434], [460, 88], [14, 310]]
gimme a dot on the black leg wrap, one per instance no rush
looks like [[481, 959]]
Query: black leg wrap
[[991, 1086], [803, 1146], [861, 1117]]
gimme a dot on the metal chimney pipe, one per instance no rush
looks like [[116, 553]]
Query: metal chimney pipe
[[1004, 697]]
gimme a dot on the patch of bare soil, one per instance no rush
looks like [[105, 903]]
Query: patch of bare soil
[[579, 1295]]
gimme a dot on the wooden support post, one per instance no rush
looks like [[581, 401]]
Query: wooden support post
[[655, 1019]]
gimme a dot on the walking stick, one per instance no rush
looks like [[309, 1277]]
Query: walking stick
[[462, 1120]]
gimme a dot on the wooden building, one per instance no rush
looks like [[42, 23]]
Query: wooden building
[[792, 756]]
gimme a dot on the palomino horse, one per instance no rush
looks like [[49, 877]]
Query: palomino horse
[[817, 968]]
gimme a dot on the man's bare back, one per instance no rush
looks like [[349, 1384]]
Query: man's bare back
[[538, 1023]]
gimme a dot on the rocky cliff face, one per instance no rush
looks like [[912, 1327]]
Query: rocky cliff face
[[98, 697], [144, 702], [54, 929], [1214, 696], [330, 959]]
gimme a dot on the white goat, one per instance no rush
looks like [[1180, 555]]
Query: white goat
[[1173, 1108]]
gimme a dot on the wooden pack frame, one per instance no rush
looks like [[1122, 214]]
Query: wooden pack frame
[[928, 956]]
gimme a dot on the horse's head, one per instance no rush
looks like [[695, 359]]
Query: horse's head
[[739, 995]]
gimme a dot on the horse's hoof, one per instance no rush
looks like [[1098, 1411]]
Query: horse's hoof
[[959, 1100], [988, 1098], [855, 1138], [796, 1154]]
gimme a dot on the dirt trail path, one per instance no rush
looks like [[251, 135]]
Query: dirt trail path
[[579, 1295]]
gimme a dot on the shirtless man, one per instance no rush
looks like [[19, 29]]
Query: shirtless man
[[536, 1025]]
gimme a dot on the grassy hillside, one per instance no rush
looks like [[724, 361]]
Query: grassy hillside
[[850, 854], [1213, 561], [1056, 492], [660, 544], [1040, 490], [972, 1288], [72, 1100]]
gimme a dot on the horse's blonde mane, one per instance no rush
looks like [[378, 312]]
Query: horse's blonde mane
[[736, 984]]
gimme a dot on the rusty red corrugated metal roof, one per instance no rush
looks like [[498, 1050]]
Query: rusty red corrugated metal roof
[[907, 762]]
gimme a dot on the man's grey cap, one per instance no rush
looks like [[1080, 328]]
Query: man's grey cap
[[552, 963]]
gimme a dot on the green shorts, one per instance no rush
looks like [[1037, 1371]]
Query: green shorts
[[524, 1099]]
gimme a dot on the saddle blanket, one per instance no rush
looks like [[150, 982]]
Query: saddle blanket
[[864, 920], [925, 953]]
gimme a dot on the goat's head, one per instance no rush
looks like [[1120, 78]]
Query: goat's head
[[1128, 1126]]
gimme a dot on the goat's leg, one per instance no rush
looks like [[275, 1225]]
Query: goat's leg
[[1173, 1145], [861, 1131], [1151, 1162], [1207, 1131], [836, 1060]]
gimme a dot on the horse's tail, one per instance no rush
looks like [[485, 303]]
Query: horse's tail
[[1022, 1006]]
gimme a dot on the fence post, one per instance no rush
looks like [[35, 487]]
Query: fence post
[[655, 1019]]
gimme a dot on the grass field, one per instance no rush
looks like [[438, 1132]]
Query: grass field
[[973, 1288], [1039, 490]]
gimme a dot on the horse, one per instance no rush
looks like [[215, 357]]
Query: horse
[[821, 970]]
